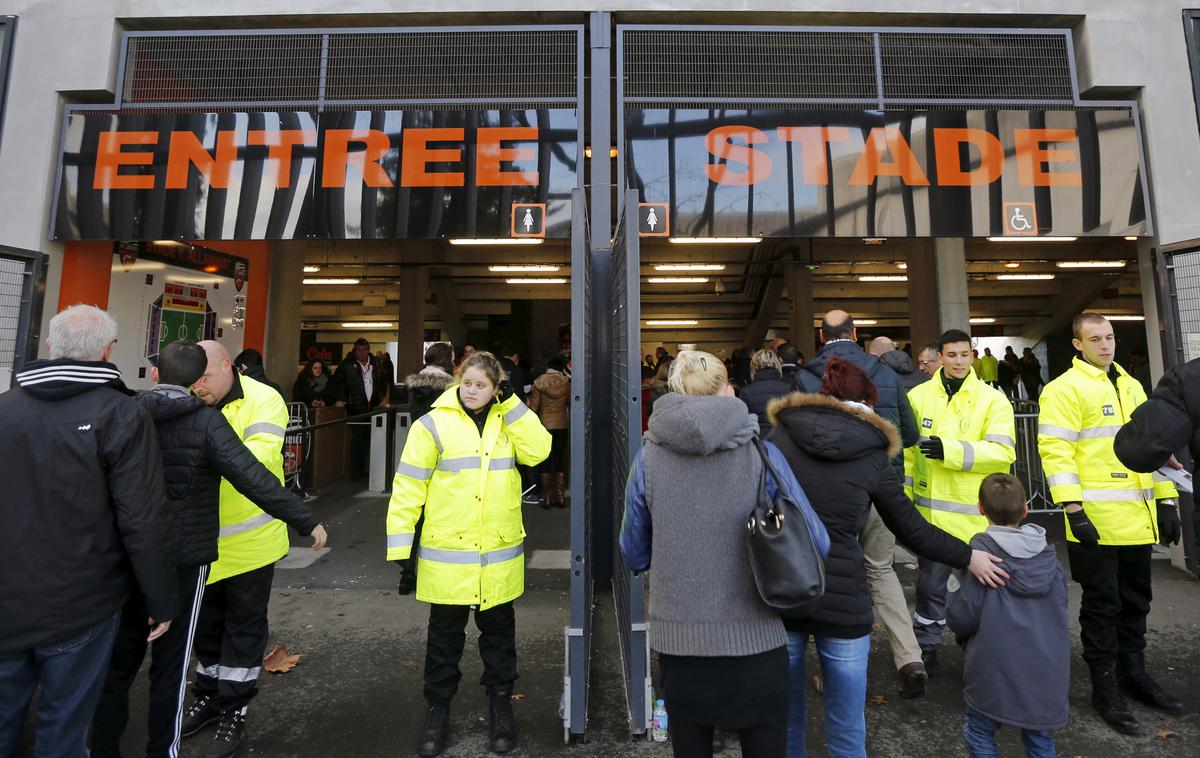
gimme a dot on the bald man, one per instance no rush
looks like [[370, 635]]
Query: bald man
[[231, 632], [878, 544], [881, 346]]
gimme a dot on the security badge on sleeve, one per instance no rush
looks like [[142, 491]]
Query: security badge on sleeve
[[926, 423], [1108, 410]]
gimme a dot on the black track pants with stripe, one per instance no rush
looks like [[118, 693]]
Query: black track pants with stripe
[[231, 637], [169, 657]]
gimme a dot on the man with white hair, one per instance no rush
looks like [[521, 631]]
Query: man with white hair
[[231, 631], [85, 521]]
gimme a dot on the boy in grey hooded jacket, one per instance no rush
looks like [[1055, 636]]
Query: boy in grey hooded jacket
[[1017, 640]]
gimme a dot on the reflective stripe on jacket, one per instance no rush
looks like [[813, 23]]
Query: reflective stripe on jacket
[[1081, 413], [979, 436], [472, 542], [249, 537]]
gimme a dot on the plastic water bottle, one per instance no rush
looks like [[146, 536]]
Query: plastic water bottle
[[658, 728]]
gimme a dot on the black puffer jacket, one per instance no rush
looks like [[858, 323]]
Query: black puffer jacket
[[1166, 423], [840, 454], [765, 387], [425, 387], [84, 508], [199, 447]]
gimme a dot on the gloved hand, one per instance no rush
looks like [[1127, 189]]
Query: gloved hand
[[1082, 527], [506, 391], [933, 449], [1170, 529], [408, 576]]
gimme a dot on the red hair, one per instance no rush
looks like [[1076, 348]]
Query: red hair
[[845, 381]]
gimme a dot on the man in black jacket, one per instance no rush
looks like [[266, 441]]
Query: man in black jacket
[[199, 447], [1166, 423], [85, 513], [249, 363], [877, 542], [361, 386]]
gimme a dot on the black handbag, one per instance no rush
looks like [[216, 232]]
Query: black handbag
[[787, 566]]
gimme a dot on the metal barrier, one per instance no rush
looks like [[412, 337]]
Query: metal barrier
[[1028, 466]]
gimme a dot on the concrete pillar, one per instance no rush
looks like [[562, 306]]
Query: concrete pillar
[[801, 308], [1149, 282], [937, 288], [410, 327], [281, 344]]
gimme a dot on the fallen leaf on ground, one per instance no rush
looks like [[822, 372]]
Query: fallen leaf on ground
[[1163, 734], [280, 661], [879, 700], [285, 594], [306, 626], [518, 697], [818, 684]]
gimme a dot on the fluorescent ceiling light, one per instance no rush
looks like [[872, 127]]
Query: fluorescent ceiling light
[[311, 269], [1125, 318], [499, 241], [1032, 239], [873, 240], [715, 240], [677, 279], [367, 324], [168, 242], [689, 267], [865, 322], [1090, 264], [331, 281], [1023, 277], [902, 265], [884, 278], [673, 322], [544, 280], [982, 320], [1012, 264], [1131, 239], [518, 269]]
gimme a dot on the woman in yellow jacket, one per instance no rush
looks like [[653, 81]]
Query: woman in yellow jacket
[[459, 465]]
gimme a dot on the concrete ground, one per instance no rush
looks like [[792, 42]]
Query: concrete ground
[[357, 689]]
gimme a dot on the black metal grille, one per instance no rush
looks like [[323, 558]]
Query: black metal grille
[[991, 67], [313, 69], [743, 66], [1184, 280], [12, 285]]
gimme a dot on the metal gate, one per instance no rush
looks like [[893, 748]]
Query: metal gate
[[1180, 279], [22, 285], [578, 634], [628, 587]]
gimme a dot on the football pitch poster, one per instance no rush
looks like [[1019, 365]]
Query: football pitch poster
[[163, 292]]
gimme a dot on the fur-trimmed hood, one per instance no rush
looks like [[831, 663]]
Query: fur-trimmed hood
[[430, 377], [827, 428]]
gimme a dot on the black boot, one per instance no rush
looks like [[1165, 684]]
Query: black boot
[[1132, 676], [436, 732], [502, 728], [202, 712], [912, 677], [1109, 702], [230, 733]]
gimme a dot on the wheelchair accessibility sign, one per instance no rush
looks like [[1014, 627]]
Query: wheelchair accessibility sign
[[1020, 220]]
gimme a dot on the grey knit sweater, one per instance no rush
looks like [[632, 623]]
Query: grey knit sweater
[[702, 478]]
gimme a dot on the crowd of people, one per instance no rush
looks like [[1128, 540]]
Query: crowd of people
[[151, 522], [878, 449]]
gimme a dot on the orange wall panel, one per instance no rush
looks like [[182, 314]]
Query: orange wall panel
[[258, 253], [86, 272]]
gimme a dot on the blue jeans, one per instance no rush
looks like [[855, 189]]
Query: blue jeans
[[71, 674], [979, 732], [844, 670]]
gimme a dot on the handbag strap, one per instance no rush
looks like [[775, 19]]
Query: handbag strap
[[768, 465]]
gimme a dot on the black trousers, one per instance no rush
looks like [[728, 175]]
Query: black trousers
[[1116, 599], [360, 448], [169, 656], [231, 637], [447, 637], [690, 740]]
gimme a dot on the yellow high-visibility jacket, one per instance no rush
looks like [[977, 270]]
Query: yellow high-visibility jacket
[[472, 543], [1081, 413], [989, 368], [251, 538], [979, 435]]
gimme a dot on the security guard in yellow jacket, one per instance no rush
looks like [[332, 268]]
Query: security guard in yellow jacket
[[1113, 518], [231, 627], [967, 433], [459, 466]]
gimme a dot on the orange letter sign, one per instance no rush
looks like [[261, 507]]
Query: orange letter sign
[[887, 140], [338, 157], [719, 143], [1032, 158], [109, 160], [489, 156]]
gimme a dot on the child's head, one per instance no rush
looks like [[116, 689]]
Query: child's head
[[180, 363], [1002, 500]]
